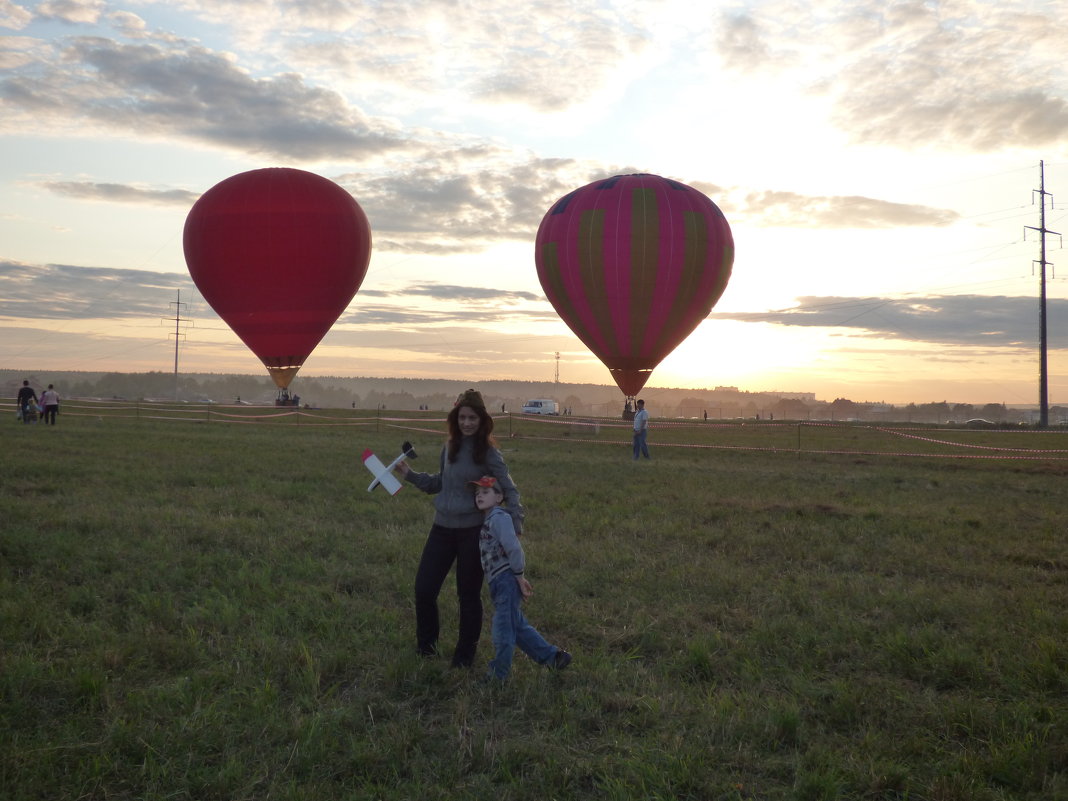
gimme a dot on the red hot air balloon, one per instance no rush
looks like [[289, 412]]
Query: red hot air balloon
[[633, 264], [278, 253]]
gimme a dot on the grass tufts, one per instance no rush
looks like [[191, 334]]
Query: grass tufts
[[224, 612]]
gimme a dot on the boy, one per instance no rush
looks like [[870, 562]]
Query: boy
[[503, 562]]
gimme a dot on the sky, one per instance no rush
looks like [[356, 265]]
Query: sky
[[878, 162]]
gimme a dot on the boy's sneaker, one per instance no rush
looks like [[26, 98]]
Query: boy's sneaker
[[561, 660]]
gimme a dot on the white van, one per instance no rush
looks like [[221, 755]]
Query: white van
[[541, 406]]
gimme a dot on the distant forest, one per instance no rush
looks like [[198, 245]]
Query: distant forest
[[403, 394], [355, 392]]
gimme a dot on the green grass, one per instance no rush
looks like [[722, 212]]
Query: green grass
[[213, 611]]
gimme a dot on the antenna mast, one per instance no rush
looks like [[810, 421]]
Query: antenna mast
[[1043, 370], [556, 376]]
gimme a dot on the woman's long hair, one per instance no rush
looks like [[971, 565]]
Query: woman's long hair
[[484, 439]]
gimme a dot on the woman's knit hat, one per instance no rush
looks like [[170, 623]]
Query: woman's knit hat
[[471, 398]]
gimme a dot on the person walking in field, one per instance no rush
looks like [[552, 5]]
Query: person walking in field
[[27, 396], [641, 430], [503, 562], [469, 452], [50, 402]]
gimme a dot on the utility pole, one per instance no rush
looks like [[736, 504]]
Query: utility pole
[[178, 334], [1043, 372]]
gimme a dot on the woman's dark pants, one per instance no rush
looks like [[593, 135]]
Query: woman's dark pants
[[443, 547]]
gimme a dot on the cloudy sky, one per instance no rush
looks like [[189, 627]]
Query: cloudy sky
[[878, 162]]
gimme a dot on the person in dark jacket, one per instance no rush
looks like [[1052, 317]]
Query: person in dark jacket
[[25, 398]]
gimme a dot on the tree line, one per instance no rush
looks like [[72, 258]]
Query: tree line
[[602, 400]]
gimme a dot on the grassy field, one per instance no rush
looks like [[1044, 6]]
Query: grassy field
[[221, 611]]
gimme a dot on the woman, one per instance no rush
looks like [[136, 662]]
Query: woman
[[469, 453]]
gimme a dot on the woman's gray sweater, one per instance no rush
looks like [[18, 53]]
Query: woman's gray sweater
[[455, 502]]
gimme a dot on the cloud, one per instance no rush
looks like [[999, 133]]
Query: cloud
[[462, 195], [190, 92], [980, 75], [121, 193], [425, 53], [977, 75], [462, 201], [426, 318], [471, 293], [740, 42], [788, 209], [447, 323], [545, 50], [994, 321], [453, 304], [456, 201], [423, 247], [541, 55], [57, 291], [74, 12], [13, 16], [424, 191], [61, 291], [18, 51], [128, 24]]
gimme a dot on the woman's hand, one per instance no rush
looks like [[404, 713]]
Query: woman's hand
[[524, 587]]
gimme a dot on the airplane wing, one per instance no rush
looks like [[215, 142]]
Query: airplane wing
[[382, 475]]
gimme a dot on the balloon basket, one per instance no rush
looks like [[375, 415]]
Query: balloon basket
[[285, 399]]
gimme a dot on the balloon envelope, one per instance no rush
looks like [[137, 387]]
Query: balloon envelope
[[278, 253], [633, 264]]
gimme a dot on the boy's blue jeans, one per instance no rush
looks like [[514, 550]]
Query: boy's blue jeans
[[510, 628]]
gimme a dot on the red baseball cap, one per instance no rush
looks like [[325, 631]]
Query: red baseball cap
[[488, 481]]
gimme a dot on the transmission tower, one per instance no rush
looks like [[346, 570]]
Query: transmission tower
[[556, 375], [178, 334], [1043, 372]]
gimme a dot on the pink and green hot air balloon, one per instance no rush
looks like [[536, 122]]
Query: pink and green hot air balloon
[[633, 264]]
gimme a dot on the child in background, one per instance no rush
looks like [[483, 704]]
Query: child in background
[[503, 562]]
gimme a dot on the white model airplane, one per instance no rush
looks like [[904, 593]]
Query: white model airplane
[[384, 474]]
